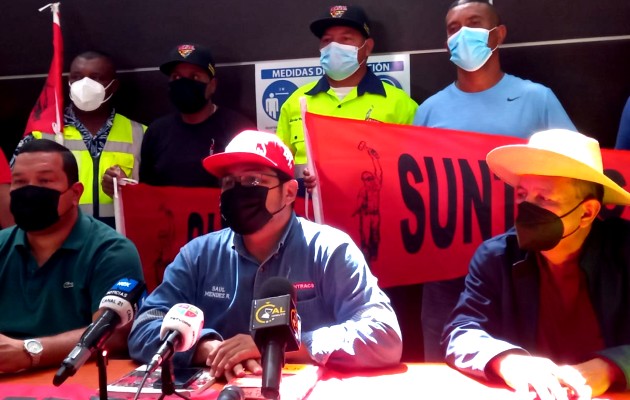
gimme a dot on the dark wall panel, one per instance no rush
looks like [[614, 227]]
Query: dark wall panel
[[589, 78]]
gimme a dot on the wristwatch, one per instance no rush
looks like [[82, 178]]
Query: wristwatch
[[34, 349]]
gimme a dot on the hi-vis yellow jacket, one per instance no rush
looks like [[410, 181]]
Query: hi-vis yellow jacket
[[122, 148]]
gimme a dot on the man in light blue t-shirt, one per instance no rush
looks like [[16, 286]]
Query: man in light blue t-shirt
[[482, 99]]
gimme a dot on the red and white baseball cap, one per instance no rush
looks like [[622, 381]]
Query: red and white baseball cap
[[252, 147]]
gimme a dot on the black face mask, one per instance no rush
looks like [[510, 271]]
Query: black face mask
[[35, 207], [244, 208], [188, 95], [538, 229]]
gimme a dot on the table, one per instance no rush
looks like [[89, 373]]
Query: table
[[413, 381]]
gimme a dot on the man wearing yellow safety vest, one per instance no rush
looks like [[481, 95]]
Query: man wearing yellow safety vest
[[105, 143], [348, 89]]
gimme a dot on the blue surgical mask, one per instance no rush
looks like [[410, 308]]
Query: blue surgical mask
[[339, 61], [469, 48]]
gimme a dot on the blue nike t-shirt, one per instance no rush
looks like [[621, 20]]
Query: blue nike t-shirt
[[512, 107]]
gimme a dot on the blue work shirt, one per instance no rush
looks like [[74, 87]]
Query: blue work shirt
[[347, 320]]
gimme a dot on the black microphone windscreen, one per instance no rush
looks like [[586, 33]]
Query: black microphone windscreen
[[231, 392], [276, 286]]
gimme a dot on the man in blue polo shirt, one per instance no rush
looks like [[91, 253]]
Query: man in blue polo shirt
[[347, 321], [56, 264]]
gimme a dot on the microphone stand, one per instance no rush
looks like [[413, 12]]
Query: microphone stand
[[101, 362], [168, 381]]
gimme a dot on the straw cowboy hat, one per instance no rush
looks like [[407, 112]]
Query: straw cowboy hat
[[556, 152]]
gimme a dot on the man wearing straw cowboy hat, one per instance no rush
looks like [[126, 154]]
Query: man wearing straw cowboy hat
[[546, 304]]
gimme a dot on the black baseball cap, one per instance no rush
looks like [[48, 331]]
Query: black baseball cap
[[352, 16], [189, 53]]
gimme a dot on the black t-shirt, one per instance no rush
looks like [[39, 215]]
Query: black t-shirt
[[172, 150]]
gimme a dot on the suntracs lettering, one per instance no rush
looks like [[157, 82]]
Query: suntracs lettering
[[476, 198]]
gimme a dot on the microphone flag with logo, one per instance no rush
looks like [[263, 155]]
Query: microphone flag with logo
[[179, 332], [120, 304], [276, 328]]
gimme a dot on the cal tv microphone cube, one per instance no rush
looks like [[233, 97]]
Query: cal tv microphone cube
[[274, 313]]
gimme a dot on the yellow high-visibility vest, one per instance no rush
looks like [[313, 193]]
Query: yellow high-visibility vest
[[370, 100], [122, 148]]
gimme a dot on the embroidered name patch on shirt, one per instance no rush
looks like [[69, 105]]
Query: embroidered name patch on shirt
[[217, 292]]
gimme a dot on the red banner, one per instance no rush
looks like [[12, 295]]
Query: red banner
[[160, 220], [417, 201], [5, 171], [47, 114]]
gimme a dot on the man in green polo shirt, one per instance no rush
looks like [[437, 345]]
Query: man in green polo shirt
[[348, 89], [56, 264]]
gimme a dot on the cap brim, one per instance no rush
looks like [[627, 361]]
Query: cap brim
[[511, 162], [319, 27], [218, 164], [168, 66]]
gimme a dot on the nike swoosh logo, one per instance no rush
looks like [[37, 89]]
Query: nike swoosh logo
[[513, 98]]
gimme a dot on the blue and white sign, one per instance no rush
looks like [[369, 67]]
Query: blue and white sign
[[277, 80], [275, 95]]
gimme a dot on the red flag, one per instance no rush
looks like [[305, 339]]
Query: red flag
[[418, 201], [47, 114]]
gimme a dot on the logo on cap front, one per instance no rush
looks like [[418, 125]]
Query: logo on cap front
[[185, 50], [275, 152], [338, 11]]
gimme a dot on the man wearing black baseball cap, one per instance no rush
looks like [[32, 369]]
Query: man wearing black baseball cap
[[174, 145], [351, 16], [348, 89]]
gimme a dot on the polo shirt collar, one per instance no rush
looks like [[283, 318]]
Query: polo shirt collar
[[79, 233], [369, 84], [74, 241], [239, 245]]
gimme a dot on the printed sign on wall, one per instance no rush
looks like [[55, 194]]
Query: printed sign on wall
[[276, 80]]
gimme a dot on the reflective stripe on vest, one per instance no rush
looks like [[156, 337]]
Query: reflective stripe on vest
[[121, 148], [104, 210]]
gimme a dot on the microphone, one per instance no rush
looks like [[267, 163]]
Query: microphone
[[180, 331], [231, 392], [120, 304], [276, 327]]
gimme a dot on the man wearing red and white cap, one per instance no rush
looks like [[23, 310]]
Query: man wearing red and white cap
[[347, 321], [546, 304]]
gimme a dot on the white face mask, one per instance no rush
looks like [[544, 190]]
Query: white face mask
[[87, 94]]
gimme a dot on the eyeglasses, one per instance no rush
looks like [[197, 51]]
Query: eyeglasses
[[248, 179]]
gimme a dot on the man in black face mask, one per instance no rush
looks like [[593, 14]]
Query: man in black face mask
[[346, 319], [546, 305], [56, 264], [175, 145]]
